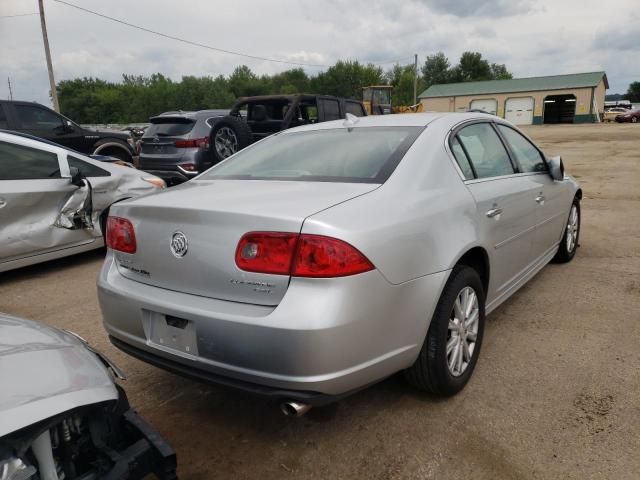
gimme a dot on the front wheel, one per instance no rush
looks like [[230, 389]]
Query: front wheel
[[569, 242], [450, 351]]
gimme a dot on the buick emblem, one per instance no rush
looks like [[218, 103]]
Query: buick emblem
[[179, 244]]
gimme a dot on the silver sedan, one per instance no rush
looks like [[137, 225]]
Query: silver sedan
[[54, 202], [327, 257]]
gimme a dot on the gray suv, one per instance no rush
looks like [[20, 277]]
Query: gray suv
[[175, 146]]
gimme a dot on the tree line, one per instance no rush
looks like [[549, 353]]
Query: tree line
[[136, 98]]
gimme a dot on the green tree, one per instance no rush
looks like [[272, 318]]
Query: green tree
[[472, 67], [500, 72], [346, 79], [633, 92], [436, 70], [401, 78]]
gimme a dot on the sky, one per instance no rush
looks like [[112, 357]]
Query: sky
[[532, 37]]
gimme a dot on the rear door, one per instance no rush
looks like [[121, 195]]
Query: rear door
[[32, 192], [552, 201], [505, 202]]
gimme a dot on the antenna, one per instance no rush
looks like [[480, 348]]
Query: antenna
[[350, 120], [10, 91]]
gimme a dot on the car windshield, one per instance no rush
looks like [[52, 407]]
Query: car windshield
[[362, 155]]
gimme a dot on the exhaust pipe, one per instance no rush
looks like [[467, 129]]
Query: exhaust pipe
[[294, 409]]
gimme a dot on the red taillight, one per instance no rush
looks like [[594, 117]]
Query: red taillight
[[299, 255], [120, 235], [194, 143], [318, 256], [266, 252]]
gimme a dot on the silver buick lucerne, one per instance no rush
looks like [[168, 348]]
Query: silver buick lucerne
[[327, 257]]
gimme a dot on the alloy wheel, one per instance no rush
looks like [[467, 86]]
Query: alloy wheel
[[463, 331], [572, 229], [226, 142]]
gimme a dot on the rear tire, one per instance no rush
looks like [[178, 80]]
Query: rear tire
[[569, 242], [453, 337], [228, 135]]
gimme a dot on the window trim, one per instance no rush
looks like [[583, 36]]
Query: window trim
[[512, 153], [20, 123], [453, 131]]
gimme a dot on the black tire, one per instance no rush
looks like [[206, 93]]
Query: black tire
[[431, 372], [565, 252], [242, 133]]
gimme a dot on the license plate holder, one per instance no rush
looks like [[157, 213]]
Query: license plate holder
[[173, 332]]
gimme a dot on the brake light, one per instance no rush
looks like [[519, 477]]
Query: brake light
[[193, 143], [299, 255], [120, 235]]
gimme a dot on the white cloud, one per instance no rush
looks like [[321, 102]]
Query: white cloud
[[531, 37]]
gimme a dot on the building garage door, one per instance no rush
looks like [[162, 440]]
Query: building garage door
[[519, 110], [489, 106]]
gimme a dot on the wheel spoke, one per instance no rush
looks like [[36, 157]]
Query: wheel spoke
[[472, 319], [471, 336], [471, 303], [453, 326], [457, 309], [453, 358], [450, 344], [466, 351]]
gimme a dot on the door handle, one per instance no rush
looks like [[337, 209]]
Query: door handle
[[3, 202], [494, 212], [540, 199]]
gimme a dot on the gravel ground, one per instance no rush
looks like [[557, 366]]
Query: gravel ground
[[556, 392]]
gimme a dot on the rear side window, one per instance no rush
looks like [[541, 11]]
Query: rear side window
[[25, 163], [331, 109], [37, 118], [87, 169], [461, 158], [354, 108], [169, 127], [3, 118], [527, 156], [485, 150], [360, 155]]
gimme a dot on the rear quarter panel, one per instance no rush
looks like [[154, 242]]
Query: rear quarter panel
[[419, 222]]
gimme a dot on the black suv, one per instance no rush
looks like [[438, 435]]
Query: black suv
[[254, 118], [175, 146], [42, 122]]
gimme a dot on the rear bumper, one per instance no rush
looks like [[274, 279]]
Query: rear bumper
[[171, 177], [326, 338]]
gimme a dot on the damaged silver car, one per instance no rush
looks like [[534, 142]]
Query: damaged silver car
[[54, 202], [62, 416]]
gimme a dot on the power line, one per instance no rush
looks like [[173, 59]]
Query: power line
[[19, 15], [203, 45], [189, 42]]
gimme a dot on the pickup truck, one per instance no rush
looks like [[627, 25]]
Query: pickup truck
[[254, 118], [40, 121]]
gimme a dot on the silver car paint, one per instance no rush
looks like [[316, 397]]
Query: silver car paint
[[44, 372], [335, 335], [29, 208]]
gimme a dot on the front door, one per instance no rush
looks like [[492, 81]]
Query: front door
[[44, 123], [32, 192]]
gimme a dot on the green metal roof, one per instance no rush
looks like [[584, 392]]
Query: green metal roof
[[554, 82]]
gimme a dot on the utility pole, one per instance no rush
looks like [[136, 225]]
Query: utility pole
[[47, 53], [415, 79], [10, 91]]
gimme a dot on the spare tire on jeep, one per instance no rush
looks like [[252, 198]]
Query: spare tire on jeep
[[228, 135]]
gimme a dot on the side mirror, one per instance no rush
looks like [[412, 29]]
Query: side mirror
[[77, 178], [556, 168], [68, 127]]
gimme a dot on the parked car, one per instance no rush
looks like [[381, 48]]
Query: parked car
[[632, 116], [175, 146], [54, 202], [266, 115], [63, 416], [327, 257], [610, 114], [40, 121]]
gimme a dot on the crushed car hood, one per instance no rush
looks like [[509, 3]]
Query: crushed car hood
[[44, 372]]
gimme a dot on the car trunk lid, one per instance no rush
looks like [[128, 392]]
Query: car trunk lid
[[213, 216]]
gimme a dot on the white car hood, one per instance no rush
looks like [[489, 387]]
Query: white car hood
[[44, 372]]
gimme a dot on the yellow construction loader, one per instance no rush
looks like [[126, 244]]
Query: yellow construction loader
[[377, 101]]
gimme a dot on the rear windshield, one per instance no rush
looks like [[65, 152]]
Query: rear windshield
[[362, 155], [169, 127]]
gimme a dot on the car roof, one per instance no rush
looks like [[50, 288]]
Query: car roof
[[192, 114], [400, 120]]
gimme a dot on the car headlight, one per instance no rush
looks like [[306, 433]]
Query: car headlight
[[155, 181]]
